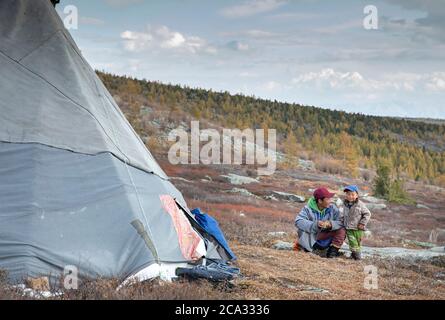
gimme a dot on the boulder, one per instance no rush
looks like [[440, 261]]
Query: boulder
[[282, 245], [376, 206], [243, 192], [411, 255], [289, 197], [338, 202], [422, 244], [271, 197], [374, 203], [306, 165], [239, 180], [371, 199]]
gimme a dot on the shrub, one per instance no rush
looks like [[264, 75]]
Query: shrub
[[393, 191], [330, 166], [382, 182], [440, 181], [397, 193], [366, 176]]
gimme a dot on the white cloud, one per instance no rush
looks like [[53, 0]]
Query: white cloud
[[252, 7], [164, 38], [136, 41], [171, 39], [407, 82], [238, 46], [272, 86], [254, 33], [436, 82], [331, 78]]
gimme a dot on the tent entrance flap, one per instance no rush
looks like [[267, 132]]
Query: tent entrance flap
[[189, 239]]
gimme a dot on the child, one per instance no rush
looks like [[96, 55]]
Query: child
[[356, 217]]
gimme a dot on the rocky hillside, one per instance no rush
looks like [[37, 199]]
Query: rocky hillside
[[404, 242], [413, 149]]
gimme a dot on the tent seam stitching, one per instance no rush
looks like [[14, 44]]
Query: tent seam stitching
[[70, 99]]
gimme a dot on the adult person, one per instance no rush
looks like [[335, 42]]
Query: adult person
[[320, 224]]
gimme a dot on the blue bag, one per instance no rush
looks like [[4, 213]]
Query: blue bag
[[210, 225]]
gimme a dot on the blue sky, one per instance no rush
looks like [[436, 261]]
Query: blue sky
[[313, 52]]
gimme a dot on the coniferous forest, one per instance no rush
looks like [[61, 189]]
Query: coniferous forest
[[412, 149]]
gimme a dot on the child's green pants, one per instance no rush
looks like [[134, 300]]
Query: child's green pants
[[355, 239]]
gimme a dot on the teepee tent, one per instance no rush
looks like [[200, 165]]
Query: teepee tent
[[77, 185]]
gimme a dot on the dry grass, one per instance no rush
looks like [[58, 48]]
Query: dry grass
[[106, 289], [293, 275], [413, 280], [152, 290], [331, 166], [272, 274]]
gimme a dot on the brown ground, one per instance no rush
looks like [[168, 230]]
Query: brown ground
[[272, 274], [294, 275]]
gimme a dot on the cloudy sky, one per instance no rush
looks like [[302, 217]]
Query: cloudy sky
[[313, 52]]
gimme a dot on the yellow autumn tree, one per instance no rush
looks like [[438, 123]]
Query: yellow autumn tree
[[347, 152], [291, 149]]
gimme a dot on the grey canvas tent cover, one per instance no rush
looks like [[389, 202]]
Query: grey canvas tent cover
[[77, 185]]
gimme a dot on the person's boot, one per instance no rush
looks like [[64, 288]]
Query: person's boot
[[332, 252], [317, 247], [356, 255], [318, 250]]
